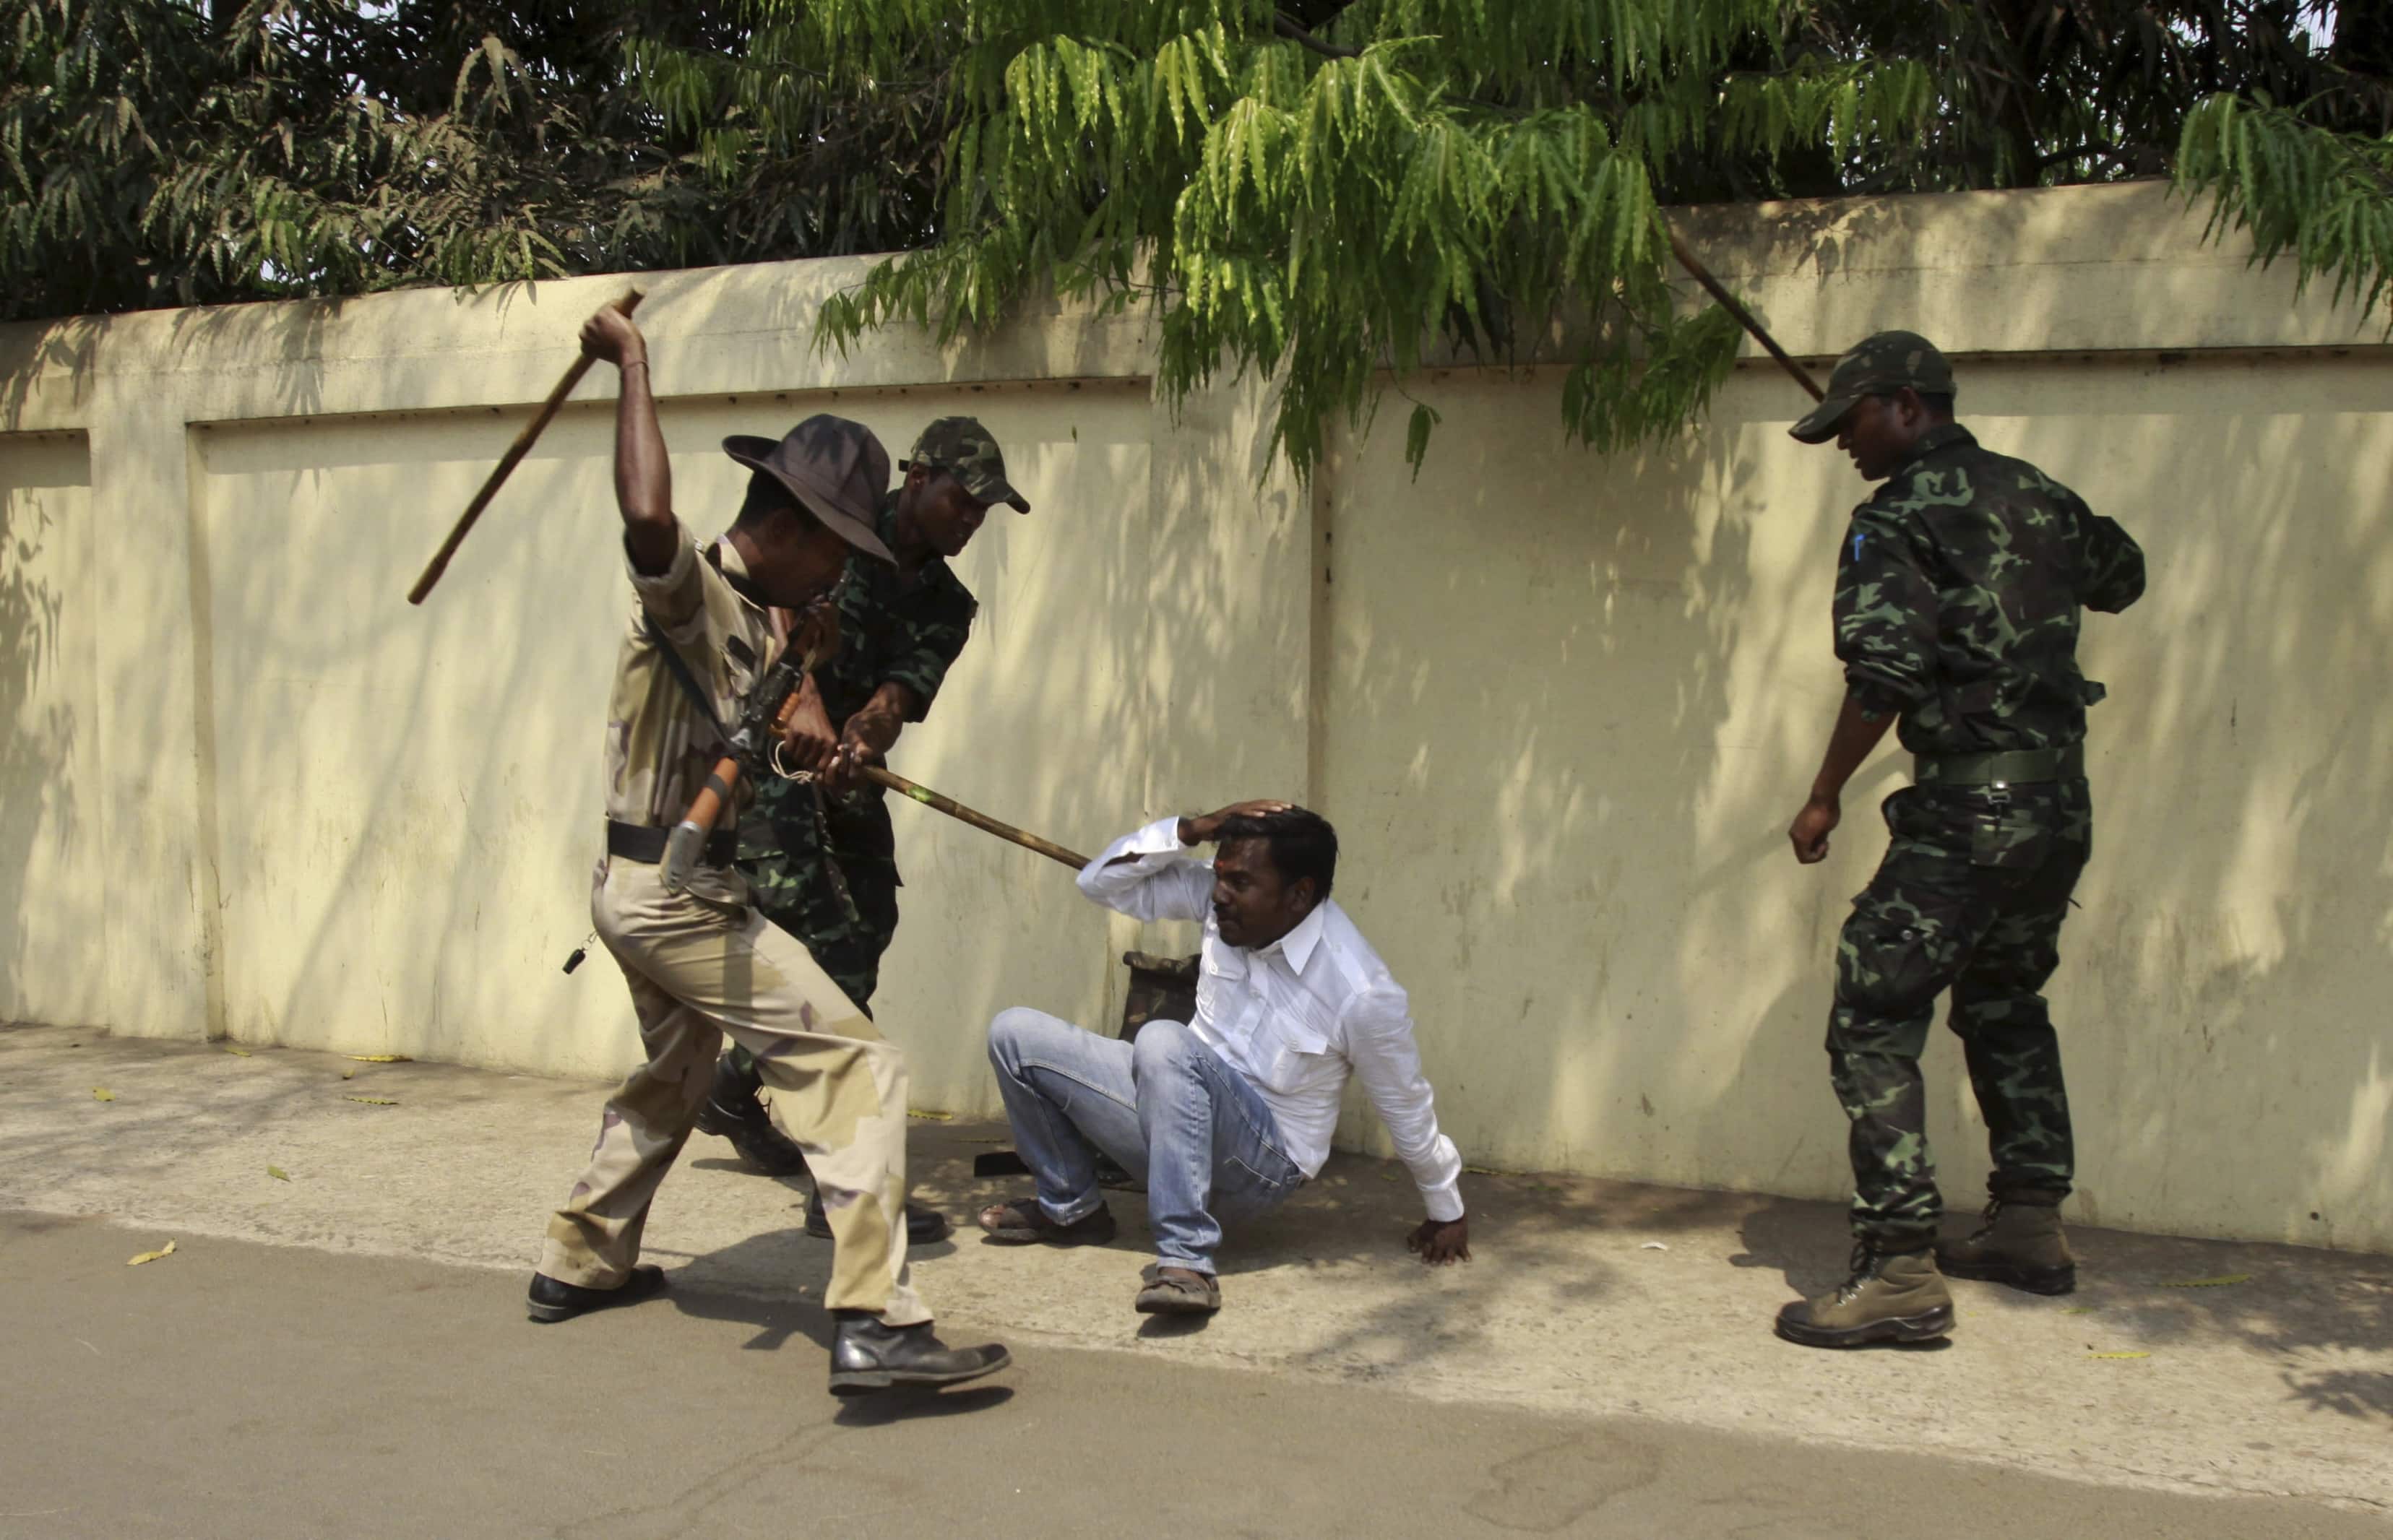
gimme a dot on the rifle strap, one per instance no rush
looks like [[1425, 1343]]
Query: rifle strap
[[678, 667]]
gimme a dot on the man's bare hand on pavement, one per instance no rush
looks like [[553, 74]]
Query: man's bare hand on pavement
[[1441, 1241]]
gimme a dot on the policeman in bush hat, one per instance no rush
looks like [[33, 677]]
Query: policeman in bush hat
[[701, 963]]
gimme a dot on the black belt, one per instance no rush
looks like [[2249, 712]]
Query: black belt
[[645, 842], [2015, 767]]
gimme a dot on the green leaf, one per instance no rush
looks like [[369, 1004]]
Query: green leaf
[[1416, 432]]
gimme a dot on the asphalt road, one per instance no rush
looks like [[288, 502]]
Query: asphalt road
[[239, 1390]]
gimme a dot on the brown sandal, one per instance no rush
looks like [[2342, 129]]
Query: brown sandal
[[1021, 1221], [1177, 1291]]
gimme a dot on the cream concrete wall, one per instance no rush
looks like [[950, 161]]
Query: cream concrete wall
[[1573, 706], [52, 955], [1558, 705]]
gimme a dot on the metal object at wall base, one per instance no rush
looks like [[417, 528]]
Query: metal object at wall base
[[1161, 988]]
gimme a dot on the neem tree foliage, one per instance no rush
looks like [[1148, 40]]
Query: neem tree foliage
[[1314, 189]]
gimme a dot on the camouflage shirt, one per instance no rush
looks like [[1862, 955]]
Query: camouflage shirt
[[897, 628], [909, 630], [1960, 587]]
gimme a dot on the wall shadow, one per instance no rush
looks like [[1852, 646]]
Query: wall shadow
[[1572, 702], [52, 961]]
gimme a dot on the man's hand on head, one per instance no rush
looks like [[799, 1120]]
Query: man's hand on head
[[1206, 830], [1441, 1241]]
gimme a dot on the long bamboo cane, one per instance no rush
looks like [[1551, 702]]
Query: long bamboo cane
[[981, 821], [1735, 307], [507, 463]]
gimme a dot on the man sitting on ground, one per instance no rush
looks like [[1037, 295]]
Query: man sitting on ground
[[1227, 1115]]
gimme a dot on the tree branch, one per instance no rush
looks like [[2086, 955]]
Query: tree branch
[[1287, 27], [2090, 151]]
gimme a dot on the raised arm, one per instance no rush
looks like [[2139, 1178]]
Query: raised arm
[[643, 476]]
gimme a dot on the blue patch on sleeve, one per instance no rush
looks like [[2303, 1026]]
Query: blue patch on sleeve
[[1857, 545]]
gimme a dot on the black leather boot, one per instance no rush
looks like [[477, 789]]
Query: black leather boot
[[553, 1299], [866, 1355], [735, 1110]]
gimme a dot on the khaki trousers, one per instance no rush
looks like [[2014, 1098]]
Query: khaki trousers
[[697, 971]]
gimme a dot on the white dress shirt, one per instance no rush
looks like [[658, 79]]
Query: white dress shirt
[[1294, 1018]]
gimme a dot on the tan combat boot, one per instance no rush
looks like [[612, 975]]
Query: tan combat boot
[[1890, 1298], [2020, 1244]]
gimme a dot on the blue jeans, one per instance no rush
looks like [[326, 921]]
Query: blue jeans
[[1166, 1108]]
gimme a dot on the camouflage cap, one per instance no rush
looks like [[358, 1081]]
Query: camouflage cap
[[1877, 365], [964, 448]]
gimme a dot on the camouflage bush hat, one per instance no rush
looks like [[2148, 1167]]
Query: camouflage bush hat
[[836, 467], [1878, 365], [968, 451]]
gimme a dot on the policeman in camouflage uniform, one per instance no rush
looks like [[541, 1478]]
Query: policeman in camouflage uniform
[[1960, 587], [819, 852]]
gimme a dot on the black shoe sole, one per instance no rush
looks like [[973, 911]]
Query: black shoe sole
[[1925, 1328], [818, 1226], [1174, 1304], [644, 1282], [1061, 1236], [865, 1382], [2031, 1280]]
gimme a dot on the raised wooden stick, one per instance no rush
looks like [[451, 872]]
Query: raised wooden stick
[[507, 463], [1743, 317], [981, 821]]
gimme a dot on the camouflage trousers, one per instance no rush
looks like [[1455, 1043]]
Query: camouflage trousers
[[697, 971], [844, 908], [1970, 898]]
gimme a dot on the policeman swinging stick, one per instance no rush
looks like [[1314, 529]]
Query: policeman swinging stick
[[748, 749]]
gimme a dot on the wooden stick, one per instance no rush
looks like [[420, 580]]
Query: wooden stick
[[981, 821], [508, 461], [1743, 317]]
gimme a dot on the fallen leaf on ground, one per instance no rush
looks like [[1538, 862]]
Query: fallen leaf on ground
[[165, 1250], [349, 1075], [380, 1058], [1652, 1246], [933, 1116], [373, 1100], [278, 1173], [1483, 1170], [2220, 1282], [2119, 1355], [2079, 1309], [1386, 1176], [101, 1094], [238, 1052]]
